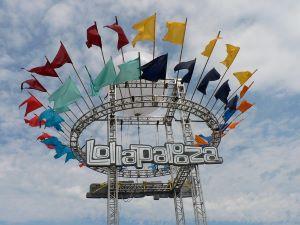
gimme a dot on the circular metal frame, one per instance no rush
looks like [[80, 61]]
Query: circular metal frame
[[121, 104]]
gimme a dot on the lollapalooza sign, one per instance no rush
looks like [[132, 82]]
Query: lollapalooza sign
[[137, 154]]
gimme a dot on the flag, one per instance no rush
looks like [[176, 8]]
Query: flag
[[244, 106], [200, 140], [233, 125], [223, 92], [93, 37], [175, 33], [245, 89], [52, 141], [65, 94], [122, 39], [212, 75], [34, 121], [128, 71], [210, 47], [232, 103], [33, 84], [228, 114], [70, 154], [44, 136], [46, 70], [61, 57], [207, 138], [242, 76], [145, 29], [232, 51], [189, 65], [106, 77], [32, 104], [52, 119], [156, 69]]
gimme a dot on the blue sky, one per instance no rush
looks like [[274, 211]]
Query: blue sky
[[258, 182]]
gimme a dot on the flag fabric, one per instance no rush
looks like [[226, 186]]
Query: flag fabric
[[189, 65], [232, 52], [46, 70], [52, 119], [156, 69], [223, 92], [228, 114], [122, 39], [65, 95], [245, 89], [33, 84], [207, 138], [232, 103], [212, 75], [145, 29], [70, 155], [233, 125], [93, 37], [244, 106], [242, 76], [106, 77], [200, 140], [32, 104], [210, 47], [34, 121], [62, 57], [128, 71], [44, 136], [175, 33]]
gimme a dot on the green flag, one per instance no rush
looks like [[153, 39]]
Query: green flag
[[106, 77], [65, 95], [128, 71]]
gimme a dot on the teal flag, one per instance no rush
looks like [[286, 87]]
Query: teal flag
[[129, 71], [65, 95], [106, 77]]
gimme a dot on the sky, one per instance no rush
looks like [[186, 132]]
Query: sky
[[258, 183]]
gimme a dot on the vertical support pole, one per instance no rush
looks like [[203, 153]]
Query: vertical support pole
[[196, 188], [112, 176]]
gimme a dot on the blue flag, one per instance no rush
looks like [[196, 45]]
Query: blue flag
[[206, 138], [53, 119], [223, 92], [212, 75], [228, 114], [189, 65], [232, 103], [156, 69]]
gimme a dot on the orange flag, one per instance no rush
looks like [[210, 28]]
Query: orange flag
[[245, 89], [233, 125], [200, 140], [244, 106]]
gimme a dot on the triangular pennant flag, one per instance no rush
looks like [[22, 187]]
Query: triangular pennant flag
[[145, 29], [122, 39], [33, 84], [32, 104], [223, 92], [245, 89], [212, 75], [175, 33], [106, 77], [62, 57], [46, 70], [34, 121], [156, 69], [200, 140], [93, 37], [244, 106], [44, 136], [65, 95], [232, 51], [210, 47], [242, 76], [128, 71], [189, 65], [233, 125]]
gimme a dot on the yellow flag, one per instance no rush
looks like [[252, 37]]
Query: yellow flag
[[210, 47], [145, 29], [242, 76], [232, 51], [175, 33]]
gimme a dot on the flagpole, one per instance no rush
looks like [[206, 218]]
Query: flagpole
[[188, 85], [153, 52], [121, 47], [220, 81], [140, 75]]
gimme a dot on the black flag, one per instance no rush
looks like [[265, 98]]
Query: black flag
[[156, 69], [223, 92], [189, 65], [212, 75]]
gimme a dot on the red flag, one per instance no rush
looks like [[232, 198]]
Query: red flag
[[50, 146], [46, 70], [33, 84], [32, 104], [44, 136], [244, 106], [81, 165], [62, 57], [245, 89], [93, 37], [122, 39], [34, 122]]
